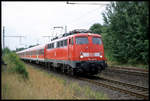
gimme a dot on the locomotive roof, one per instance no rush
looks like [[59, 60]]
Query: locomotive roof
[[77, 34]]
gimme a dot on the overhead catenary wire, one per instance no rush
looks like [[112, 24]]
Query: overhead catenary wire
[[80, 19], [85, 3]]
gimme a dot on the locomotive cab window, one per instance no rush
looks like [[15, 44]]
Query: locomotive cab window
[[82, 40], [96, 40]]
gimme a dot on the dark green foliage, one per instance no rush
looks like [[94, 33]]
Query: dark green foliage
[[127, 31], [20, 68], [5, 50], [96, 28]]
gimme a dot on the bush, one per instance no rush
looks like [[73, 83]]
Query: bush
[[20, 68], [15, 64]]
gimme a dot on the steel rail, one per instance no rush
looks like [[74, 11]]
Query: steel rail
[[125, 84], [115, 88], [137, 73], [127, 68]]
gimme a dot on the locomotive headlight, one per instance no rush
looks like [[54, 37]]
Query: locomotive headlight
[[100, 56], [81, 56]]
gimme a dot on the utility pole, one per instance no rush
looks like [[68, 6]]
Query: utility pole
[[8, 36], [65, 29], [3, 37], [57, 27]]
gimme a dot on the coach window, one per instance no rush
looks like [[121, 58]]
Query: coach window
[[58, 44], [72, 40], [61, 43], [69, 41], [42, 51], [52, 45], [48, 46], [65, 42], [37, 52]]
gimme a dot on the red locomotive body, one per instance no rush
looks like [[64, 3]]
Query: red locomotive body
[[76, 53]]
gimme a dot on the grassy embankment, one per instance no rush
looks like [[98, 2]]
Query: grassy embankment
[[41, 85]]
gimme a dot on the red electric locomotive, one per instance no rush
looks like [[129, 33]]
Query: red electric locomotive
[[77, 52]]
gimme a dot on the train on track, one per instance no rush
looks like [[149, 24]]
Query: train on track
[[76, 52]]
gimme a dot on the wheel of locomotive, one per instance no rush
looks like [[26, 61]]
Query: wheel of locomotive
[[71, 71], [46, 64], [48, 68], [63, 69], [67, 70], [54, 68]]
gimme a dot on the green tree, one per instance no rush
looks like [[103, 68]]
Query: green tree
[[96, 28], [127, 30]]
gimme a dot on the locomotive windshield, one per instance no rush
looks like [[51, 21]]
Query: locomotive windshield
[[82, 40], [96, 40]]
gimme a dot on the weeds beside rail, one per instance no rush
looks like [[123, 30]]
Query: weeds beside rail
[[14, 64]]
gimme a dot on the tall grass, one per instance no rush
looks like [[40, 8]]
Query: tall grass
[[14, 63]]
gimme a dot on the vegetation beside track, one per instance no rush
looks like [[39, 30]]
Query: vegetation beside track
[[44, 85], [14, 64], [35, 83]]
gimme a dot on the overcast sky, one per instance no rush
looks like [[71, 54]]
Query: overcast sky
[[36, 19]]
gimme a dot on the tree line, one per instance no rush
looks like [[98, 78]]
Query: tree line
[[125, 31]]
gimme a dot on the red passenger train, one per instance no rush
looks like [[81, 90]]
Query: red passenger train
[[77, 52]]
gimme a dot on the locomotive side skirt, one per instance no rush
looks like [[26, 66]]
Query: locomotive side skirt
[[82, 66]]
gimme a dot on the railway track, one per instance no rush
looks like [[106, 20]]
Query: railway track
[[130, 71], [127, 68], [133, 90], [137, 70]]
